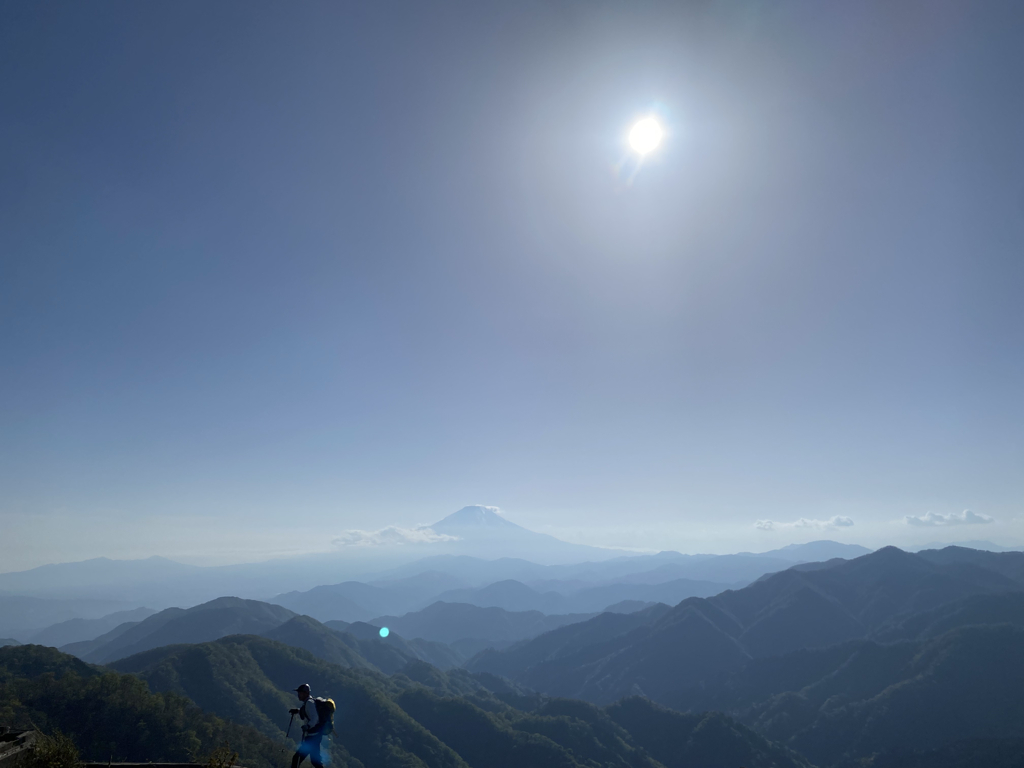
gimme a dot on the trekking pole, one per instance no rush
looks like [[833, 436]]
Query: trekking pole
[[289, 731]]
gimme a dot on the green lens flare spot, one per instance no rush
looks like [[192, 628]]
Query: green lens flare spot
[[384, 631]]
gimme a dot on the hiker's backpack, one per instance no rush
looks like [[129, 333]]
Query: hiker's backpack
[[325, 713]]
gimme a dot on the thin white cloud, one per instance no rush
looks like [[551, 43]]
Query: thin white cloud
[[932, 520], [831, 524], [390, 536]]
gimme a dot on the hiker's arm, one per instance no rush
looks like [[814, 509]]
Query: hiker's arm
[[312, 716]]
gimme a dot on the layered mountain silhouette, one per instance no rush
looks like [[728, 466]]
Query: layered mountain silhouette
[[569, 642], [470, 548], [515, 596], [814, 551], [889, 659], [455, 622], [349, 601], [699, 639], [80, 630], [24, 616], [356, 645], [84, 648], [892, 654], [727, 570], [356, 601], [124, 579], [390, 653], [209, 621]]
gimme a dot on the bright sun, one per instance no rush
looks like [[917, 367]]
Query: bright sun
[[645, 136]]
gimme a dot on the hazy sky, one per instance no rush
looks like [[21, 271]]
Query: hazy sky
[[272, 271]]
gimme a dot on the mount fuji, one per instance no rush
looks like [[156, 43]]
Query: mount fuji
[[482, 532]]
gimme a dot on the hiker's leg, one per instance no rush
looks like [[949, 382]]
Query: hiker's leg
[[314, 752], [297, 758]]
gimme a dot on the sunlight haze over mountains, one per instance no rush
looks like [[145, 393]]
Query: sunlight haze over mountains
[[347, 269], [562, 384]]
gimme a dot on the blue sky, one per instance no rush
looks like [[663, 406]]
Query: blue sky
[[272, 272]]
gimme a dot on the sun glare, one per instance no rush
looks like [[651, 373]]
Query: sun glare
[[645, 136]]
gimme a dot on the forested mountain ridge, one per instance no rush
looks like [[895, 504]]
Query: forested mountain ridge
[[605, 628], [794, 609], [353, 646], [1009, 564], [845, 662], [45, 689], [1003, 608], [231, 615], [807, 657], [966, 684], [249, 677], [208, 621], [78, 630], [849, 701]]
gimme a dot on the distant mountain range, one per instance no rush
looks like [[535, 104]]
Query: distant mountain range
[[663, 566], [481, 532], [22, 617], [513, 584], [889, 659], [987, 546], [520, 585], [78, 630], [209, 621], [515, 596], [158, 582], [472, 547], [468, 628], [815, 551], [455, 622], [355, 601], [807, 606], [349, 644]]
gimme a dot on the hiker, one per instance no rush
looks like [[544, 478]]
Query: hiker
[[315, 720]]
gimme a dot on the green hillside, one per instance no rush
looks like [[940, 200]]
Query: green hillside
[[851, 701], [858, 702], [115, 716], [964, 685], [424, 716], [249, 679]]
